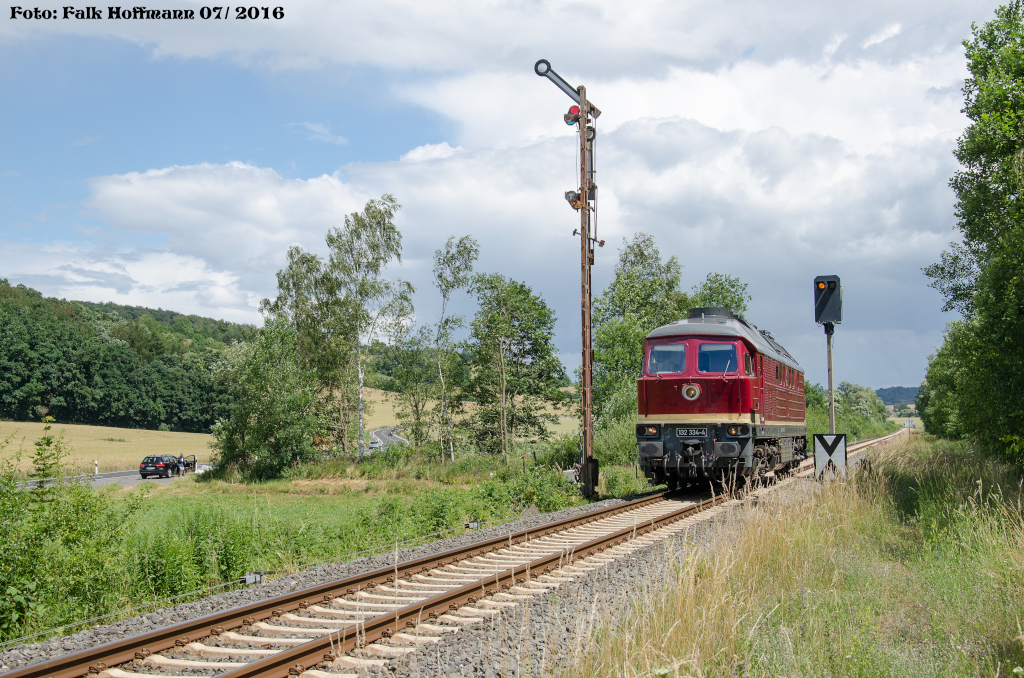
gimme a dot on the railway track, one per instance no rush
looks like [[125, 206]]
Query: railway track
[[348, 626]]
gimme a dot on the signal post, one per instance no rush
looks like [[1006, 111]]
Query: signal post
[[828, 311], [584, 201]]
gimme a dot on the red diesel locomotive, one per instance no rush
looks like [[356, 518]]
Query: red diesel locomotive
[[718, 400]]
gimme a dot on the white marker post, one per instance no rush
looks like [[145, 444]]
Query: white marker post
[[830, 453]]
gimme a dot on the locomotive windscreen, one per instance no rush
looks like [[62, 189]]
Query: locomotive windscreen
[[667, 358], [717, 358]]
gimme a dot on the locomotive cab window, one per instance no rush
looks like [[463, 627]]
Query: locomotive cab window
[[667, 359], [748, 364], [719, 358]]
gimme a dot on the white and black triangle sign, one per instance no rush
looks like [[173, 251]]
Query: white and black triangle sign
[[830, 455]]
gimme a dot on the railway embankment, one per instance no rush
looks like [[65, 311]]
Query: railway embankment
[[30, 653], [914, 567], [910, 567]]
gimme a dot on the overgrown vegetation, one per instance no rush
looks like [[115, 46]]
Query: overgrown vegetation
[[860, 413], [916, 568], [72, 552], [975, 381]]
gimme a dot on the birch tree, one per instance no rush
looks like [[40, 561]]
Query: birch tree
[[453, 267], [360, 251]]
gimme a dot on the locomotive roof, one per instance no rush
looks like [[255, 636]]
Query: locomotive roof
[[715, 322]]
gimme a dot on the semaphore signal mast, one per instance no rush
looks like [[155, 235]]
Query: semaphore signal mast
[[584, 116]]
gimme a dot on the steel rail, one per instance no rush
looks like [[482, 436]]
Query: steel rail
[[96, 659], [328, 648]]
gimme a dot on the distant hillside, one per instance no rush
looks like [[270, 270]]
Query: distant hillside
[[109, 364], [218, 330], [895, 395]]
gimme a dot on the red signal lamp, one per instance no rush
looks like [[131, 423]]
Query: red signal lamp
[[573, 116]]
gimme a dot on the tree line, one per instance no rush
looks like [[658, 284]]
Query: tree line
[[89, 363], [338, 323], [974, 386]]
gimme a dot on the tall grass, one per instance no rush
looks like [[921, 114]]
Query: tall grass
[[914, 568]]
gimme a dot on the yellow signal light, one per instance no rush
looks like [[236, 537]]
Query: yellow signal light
[[821, 285]]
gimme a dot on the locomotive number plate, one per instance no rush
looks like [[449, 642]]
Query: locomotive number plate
[[691, 432]]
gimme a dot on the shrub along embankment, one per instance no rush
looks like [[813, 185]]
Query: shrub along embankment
[[914, 568]]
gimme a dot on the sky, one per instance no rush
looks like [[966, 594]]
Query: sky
[[171, 163]]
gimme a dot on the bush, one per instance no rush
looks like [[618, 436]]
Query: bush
[[615, 443], [859, 412], [562, 453], [539, 486], [276, 411], [618, 481], [62, 557]]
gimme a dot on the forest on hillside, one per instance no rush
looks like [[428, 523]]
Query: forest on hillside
[[127, 366], [897, 395]]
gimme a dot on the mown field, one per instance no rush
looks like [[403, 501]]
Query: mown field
[[116, 449], [121, 449], [914, 568]]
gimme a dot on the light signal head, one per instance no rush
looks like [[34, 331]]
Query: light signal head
[[828, 300]]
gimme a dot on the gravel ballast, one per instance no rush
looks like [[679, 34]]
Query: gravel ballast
[[552, 629]]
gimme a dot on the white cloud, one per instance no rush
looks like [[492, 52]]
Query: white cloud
[[867, 104], [770, 141], [321, 132], [890, 31], [773, 206], [147, 277], [233, 215], [635, 38], [430, 152]]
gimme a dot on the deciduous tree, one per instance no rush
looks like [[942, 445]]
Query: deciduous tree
[[515, 370], [276, 410], [360, 252], [983, 277]]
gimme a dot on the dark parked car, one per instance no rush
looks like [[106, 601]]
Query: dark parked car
[[163, 466]]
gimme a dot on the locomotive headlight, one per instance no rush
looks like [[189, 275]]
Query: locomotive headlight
[[733, 430], [744, 430], [691, 391], [647, 430]]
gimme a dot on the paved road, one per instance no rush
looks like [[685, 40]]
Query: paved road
[[128, 479], [123, 478], [388, 436]]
